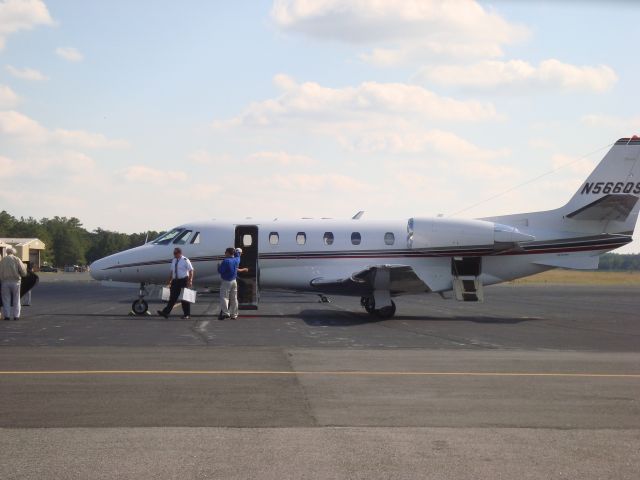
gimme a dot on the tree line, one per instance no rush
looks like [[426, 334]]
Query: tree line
[[619, 262], [67, 241]]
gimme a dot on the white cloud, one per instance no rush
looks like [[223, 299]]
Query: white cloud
[[203, 191], [280, 158], [624, 125], [541, 143], [21, 127], [7, 167], [26, 73], [408, 139], [141, 174], [498, 74], [16, 15], [368, 118], [202, 157], [64, 165], [82, 139], [8, 98], [15, 124], [314, 183], [271, 159], [70, 54], [412, 27], [576, 166], [311, 100]]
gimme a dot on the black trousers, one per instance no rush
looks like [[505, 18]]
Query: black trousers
[[176, 287]]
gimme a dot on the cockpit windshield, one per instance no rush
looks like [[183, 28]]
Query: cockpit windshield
[[182, 238], [168, 237]]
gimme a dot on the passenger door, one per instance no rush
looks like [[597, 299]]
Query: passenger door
[[248, 282]]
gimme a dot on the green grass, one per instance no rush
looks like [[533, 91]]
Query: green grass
[[581, 277]]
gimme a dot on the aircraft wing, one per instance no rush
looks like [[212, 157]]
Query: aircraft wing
[[397, 279]]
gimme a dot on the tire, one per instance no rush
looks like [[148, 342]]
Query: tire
[[140, 307], [368, 304], [386, 312]]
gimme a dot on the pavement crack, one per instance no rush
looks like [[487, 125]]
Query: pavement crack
[[308, 408], [455, 340]]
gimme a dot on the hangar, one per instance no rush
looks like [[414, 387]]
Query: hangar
[[27, 249]]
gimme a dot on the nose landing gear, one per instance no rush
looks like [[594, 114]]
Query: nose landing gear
[[140, 306]]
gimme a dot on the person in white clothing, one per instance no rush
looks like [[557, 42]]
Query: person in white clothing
[[11, 272], [181, 277]]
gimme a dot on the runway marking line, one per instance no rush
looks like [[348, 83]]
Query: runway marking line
[[318, 373]]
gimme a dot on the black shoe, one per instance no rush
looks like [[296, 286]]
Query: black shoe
[[223, 316], [8, 319], [16, 319], [162, 314], [185, 317]]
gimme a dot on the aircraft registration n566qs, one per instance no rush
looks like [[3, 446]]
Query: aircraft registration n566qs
[[381, 260]]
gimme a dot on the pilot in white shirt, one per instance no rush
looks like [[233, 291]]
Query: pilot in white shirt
[[181, 277]]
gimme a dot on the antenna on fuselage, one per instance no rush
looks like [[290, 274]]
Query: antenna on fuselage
[[358, 215]]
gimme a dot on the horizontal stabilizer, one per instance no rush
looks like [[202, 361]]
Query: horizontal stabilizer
[[610, 207], [572, 262]]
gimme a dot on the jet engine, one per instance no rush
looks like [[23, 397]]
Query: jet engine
[[449, 232]]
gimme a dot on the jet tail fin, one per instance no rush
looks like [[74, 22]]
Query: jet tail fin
[[610, 195], [607, 203]]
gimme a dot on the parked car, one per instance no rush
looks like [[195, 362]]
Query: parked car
[[48, 268]]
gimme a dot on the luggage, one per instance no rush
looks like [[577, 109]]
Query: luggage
[[165, 294], [187, 295]]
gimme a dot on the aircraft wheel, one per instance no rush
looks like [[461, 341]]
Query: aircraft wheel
[[140, 307], [386, 312], [368, 304]]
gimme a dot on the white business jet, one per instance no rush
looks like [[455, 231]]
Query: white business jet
[[381, 260]]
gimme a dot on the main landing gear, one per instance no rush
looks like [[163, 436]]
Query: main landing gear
[[140, 306], [386, 312]]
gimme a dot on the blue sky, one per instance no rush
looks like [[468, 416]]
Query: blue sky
[[141, 115]]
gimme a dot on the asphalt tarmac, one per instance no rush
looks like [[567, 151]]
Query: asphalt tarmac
[[540, 381]]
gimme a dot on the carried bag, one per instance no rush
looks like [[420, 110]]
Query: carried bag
[[187, 295], [165, 294]]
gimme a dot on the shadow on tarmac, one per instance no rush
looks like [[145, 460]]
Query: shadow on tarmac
[[328, 318]]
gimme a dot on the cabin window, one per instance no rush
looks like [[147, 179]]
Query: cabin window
[[328, 238], [167, 237], [247, 240], [196, 239], [182, 238], [356, 238], [301, 238], [274, 238], [389, 238]]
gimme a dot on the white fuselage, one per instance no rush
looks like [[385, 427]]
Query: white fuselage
[[303, 253]]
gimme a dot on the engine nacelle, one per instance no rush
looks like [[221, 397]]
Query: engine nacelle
[[450, 232]]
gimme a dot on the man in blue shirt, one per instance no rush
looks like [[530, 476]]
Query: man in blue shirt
[[228, 270]]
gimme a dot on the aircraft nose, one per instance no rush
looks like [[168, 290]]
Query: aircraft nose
[[97, 269]]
